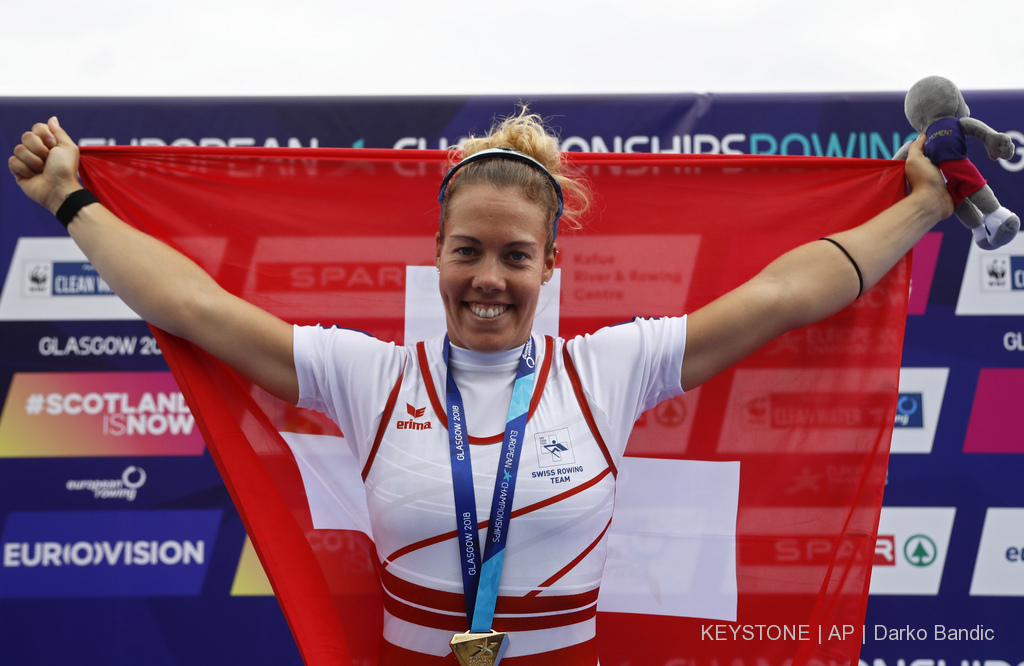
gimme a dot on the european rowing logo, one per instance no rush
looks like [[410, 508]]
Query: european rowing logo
[[554, 448], [908, 411], [415, 413], [124, 488]]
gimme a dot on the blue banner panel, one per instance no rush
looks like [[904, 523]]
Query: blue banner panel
[[106, 553], [135, 553]]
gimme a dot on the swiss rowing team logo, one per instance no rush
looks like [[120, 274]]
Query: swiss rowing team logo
[[554, 448], [415, 413]]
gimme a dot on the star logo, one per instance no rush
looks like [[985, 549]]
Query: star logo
[[508, 477], [486, 647], [479, 649]]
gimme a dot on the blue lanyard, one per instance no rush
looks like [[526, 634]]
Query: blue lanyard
[[480, 577]]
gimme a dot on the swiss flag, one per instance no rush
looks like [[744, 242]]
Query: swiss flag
[[750, 502]]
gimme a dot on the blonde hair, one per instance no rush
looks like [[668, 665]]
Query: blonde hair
[[527, 133]]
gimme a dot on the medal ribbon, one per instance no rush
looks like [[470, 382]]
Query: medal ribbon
[[480, 577]]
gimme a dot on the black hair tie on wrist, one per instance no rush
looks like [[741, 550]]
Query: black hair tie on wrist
[[73, 203], [860, 278]]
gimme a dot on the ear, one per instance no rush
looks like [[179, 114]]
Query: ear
[[914, 110], [962, 110], [437, 249], [549, 264]]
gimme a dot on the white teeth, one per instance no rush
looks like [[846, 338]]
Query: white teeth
[[488, 312]]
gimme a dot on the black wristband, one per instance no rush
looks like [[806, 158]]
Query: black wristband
[[860, 278], [74, 203]]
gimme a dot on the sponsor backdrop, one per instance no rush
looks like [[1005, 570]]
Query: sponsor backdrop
[[119, 542]]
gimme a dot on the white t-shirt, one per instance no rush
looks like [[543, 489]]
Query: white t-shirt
[[589, 392]]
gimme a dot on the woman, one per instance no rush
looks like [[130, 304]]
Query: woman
[[490, 381]]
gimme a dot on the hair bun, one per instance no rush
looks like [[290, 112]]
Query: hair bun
[[528, 133]]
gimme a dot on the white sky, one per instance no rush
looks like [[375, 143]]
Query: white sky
[[518, 47]]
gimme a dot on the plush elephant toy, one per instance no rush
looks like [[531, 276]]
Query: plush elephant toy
[[935, 107]]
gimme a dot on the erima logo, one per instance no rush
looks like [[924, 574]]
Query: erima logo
[[415, 413]]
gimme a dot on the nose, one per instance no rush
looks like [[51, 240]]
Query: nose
[[490, 276]]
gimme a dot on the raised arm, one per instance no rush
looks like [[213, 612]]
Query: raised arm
[[160, 284], [814, 280], [997, 144]]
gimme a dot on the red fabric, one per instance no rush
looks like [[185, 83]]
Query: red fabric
[[809, 416], [962, 179]]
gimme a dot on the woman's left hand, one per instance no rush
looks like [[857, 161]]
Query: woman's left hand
[[926, 181]]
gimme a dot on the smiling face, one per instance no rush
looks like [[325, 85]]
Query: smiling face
[[492, 262]]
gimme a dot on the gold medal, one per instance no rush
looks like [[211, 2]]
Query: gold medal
[[479, 648]]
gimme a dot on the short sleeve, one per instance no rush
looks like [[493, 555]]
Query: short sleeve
[[628, 368], [347, 375]]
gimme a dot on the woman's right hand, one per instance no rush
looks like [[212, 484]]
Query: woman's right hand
[[45, 164], [163, 286]]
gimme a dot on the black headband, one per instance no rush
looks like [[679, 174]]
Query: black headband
[[506, 153]]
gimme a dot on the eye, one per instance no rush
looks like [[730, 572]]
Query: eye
[[465, 251], [517, 256]]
